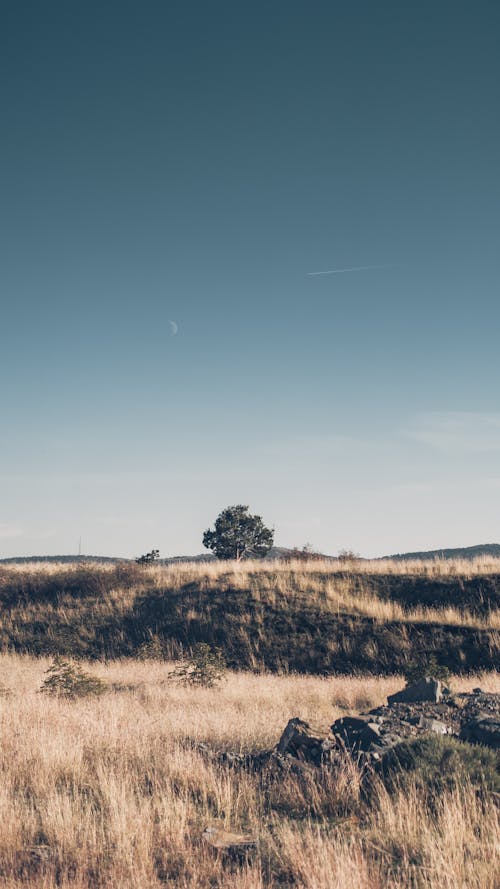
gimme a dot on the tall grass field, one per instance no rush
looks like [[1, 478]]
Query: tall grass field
[[117, 789], [113, 791]]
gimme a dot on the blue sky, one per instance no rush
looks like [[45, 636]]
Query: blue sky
[[195, 162]]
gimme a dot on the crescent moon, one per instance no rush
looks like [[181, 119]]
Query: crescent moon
[[174, 327]]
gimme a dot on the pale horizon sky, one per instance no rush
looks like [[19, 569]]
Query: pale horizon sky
[[249, 254]]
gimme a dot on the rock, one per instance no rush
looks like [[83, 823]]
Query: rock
[[378, 751], [477, 691], [229, 842], [234, 760], [484, 730], [433, 725], [477, 705], [391, 739], [304, 742], [288, 764], [428, 689], [357, 732]]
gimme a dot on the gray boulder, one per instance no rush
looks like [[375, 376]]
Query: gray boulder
[[427, 689], [433, 725], [357, 732], [301, 740]]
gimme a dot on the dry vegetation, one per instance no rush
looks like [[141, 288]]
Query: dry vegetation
[[482, 565], [316, 616], [112, 792], [338, 586]]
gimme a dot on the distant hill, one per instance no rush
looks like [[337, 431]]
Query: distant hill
[[276, 552], [66, 560], [463, 552]]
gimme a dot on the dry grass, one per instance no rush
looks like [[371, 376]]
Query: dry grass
[[479, 566], [111, 792], [338, 587], [316, 616]]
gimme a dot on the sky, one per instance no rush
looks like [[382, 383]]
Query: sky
[[172, 177]]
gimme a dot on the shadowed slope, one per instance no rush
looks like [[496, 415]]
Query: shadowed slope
[[310, 618]]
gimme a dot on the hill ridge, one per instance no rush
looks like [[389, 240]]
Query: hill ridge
[[276, 553], [459, 552]]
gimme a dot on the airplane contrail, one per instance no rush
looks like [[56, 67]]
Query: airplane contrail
[[356, 268]]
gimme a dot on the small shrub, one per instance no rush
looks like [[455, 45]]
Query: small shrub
[[438, 763], [153, 649], [303, 554], [416, 670], [205, 667], [68, 680], [149, 558], [348, 557]]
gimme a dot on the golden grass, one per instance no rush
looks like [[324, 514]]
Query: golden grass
[[111, 792], [479, 566], [337, 587]]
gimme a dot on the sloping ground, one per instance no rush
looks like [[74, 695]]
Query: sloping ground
[[294, 634], [307, 620], [479, 595]]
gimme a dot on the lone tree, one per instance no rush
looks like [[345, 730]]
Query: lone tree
[[238, 535]]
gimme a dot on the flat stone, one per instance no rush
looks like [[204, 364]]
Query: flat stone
[[428, 689], [227, 841], [433, 725]]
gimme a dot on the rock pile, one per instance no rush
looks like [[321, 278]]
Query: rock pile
[[372, 739], [484, 730], [422, 708], [419, 709]]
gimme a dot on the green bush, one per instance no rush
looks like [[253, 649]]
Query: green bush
[[68, 680], [153, 649], [437, 762], [205, 667], [416, 670]]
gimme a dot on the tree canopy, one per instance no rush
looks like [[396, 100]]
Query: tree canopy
[[238, 535]]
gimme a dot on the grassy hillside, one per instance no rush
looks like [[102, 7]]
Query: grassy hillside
[[310, 617]]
